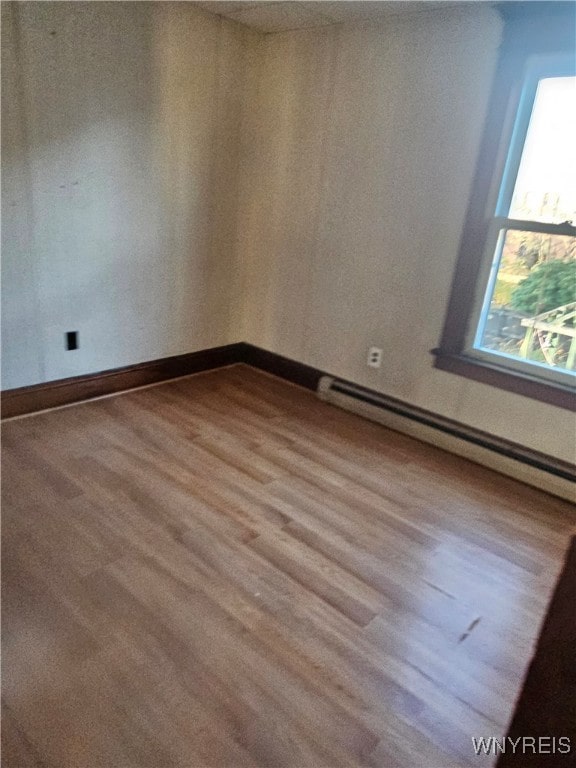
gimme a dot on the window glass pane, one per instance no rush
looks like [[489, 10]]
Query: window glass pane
[[530, 310], [545, 188]]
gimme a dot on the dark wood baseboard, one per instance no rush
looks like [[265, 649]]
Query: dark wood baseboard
[[283, 367], [16, 402], [38, 397]]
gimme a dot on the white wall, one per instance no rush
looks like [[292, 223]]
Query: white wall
[[355, 186], [120, 157]]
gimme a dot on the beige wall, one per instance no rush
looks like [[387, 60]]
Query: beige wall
[[120, 155], [363, 147]]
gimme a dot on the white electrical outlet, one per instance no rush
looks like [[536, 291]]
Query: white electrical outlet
[[374, 357]]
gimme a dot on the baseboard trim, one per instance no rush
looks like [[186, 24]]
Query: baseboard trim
[[509, 458], [39, 397], [283, 367]]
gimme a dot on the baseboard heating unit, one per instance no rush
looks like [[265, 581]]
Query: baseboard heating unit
[[549, 474]]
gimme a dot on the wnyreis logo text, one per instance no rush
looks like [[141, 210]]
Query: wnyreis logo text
[[523, 745]]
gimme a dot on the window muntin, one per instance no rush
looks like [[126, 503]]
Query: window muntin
[[526, 313]]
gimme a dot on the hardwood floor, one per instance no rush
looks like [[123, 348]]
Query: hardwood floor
[[224, 571]]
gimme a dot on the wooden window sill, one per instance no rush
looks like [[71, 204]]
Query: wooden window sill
[[502, 378]]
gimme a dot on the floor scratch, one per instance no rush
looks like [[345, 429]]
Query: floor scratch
[[471, 626], [438, 589]]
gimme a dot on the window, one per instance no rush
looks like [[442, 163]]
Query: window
[[524, 317], [512, 315]]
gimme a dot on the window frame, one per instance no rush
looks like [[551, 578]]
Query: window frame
[[533, 36]]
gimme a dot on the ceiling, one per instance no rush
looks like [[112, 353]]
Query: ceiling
[[280, 16]]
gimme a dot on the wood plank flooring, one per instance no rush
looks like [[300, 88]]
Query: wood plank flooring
[[224, 571]]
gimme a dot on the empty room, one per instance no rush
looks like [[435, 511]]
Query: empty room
[[288, 367]]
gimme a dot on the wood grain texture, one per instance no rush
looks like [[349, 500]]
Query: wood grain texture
[[224, 571]]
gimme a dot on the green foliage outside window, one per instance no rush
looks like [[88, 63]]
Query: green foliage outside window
[[548, 286]]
